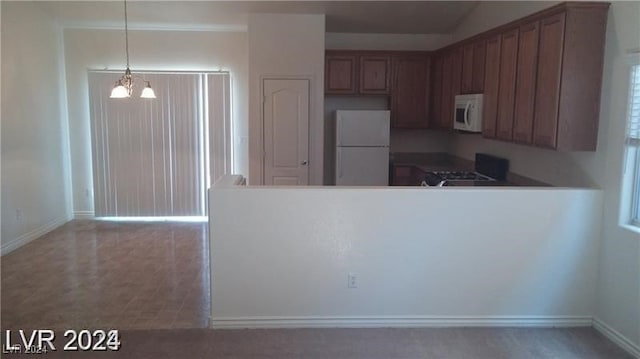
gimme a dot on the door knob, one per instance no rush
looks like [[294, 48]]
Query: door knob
[[304, 163]]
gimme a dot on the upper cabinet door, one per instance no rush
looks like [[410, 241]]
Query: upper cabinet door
[[466, 85], [491, 85], [526, 83], [340, 74], [375, 73], [437, 63], [446, 97], [507, 86], [456, 78], [547, 95], [473, 57], [410, 95], [477, 76]]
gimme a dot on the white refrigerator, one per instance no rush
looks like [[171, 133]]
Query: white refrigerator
[[362, 148]]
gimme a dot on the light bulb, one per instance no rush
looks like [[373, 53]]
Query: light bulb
[[147, 92]]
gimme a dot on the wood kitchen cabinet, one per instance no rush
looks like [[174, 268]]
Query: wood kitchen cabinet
[[491, 85], [548, 81], [340, 73], [507, 84], [557, 57], [473, 57], [410, 91], [357, 72], [375, 74], [526, 83], [437, 65], [446, 91], [446, 81], [569, 77]]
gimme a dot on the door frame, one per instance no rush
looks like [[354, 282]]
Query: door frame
[[310, 134]]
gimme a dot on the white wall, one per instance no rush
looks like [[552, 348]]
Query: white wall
[[619, 284], [34, 137], [489, 14], [149, 50], [286, 46], [619, 288], [285, 261]]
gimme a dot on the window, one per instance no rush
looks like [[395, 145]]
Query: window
[[631, 204], [156, 158]]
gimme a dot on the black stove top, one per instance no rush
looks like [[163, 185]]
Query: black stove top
[[462, 176], [487, 169]]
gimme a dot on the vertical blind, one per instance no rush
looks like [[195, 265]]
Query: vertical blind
[[633, 141], [634, 105], [151, 157]]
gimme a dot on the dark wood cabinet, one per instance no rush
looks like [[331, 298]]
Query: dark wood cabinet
[[456, 76], [410, 92], [569, 77], [451, 81], [473, 57], [466, 85], [507, 84], [560, 59], [446, 91], [545, 123], [437, 65], [541, 77], [526, 83], [491, 86], [477, 75], [375, 73], [340, 74], [357, 72]]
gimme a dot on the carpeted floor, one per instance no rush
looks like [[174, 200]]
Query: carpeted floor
[[493, 343]]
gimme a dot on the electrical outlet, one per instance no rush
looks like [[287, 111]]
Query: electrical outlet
[[351, 281], [19, 215]]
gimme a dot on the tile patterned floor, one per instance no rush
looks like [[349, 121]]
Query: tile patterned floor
[[95, 274]]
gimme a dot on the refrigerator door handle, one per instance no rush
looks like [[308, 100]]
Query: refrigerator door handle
[[339, 163]]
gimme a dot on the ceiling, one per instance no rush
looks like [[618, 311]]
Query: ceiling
[[400, 17]]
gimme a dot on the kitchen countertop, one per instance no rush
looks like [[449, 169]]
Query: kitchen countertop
[[427, 162]]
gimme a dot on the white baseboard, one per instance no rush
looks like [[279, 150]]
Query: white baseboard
[[616, 337], [31, 235], [400, 322], [83, 215]]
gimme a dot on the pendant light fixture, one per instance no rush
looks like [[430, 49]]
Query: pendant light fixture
[[124, 86]]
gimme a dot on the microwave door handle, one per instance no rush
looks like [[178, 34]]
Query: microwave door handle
[[466, 114]]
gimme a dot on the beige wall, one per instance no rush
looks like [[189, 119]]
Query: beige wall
[[489, 14], [34, 128], [619, 283], [418, 42], [286, 46], [149, 50]]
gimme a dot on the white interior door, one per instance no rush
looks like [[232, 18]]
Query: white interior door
[[286, 132]]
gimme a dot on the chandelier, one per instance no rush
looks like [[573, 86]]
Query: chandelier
[[124, 86]]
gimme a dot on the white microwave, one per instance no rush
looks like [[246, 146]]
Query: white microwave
[[467, 113]]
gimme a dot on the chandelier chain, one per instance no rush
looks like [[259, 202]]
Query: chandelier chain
[[126, 32]]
